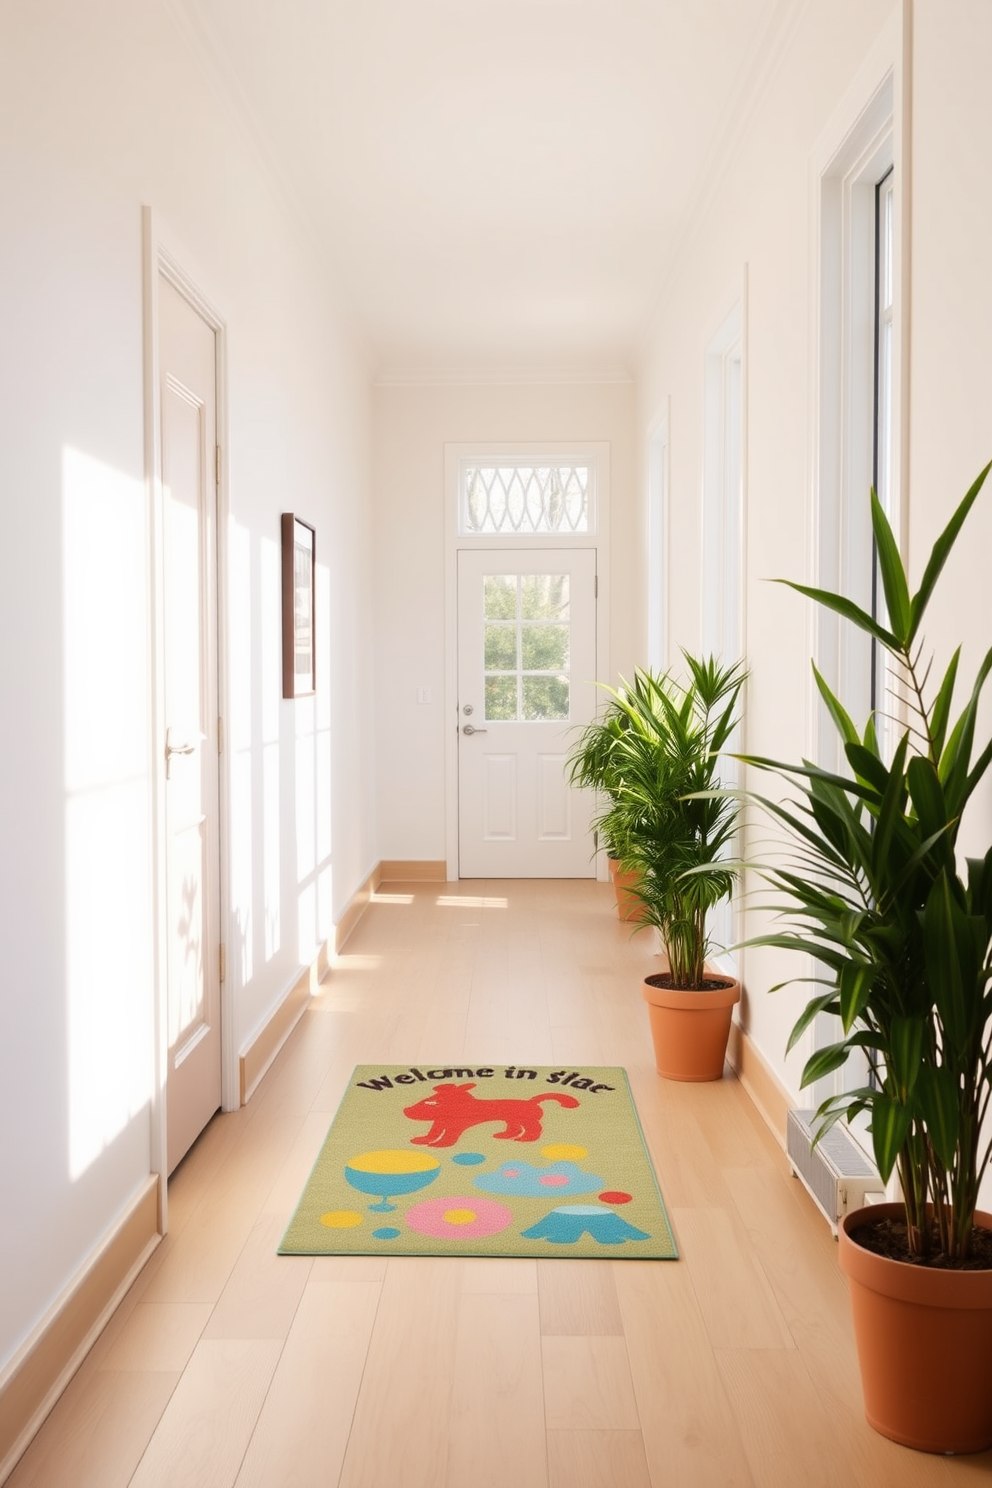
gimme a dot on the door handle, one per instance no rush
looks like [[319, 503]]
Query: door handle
[[171, 749], [470, 728]]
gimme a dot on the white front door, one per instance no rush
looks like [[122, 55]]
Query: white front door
[[526, 678], [188, 381]]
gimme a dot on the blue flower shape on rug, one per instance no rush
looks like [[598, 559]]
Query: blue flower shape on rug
[[524, 1180]]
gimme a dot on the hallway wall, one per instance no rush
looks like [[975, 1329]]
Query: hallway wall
[[950, 418], [758, 214], [104, 107], [411, 425]]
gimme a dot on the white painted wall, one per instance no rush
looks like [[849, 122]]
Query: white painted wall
[[104, 107], [411, 425], [757, 214], [951, 389]]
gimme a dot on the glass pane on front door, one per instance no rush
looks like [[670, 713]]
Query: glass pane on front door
[[526, 647]]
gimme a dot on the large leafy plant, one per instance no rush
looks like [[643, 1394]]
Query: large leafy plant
[[667, 820], [900, 929], [590, 763]]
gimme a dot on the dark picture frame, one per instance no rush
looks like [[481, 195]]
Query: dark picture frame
[[299, 670]]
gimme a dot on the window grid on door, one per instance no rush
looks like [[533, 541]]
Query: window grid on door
[[526, 646]]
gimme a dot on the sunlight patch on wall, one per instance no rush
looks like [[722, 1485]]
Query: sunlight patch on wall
[[271, 848], [239, 731], [109, 996], [270, 588], [307, 922], [306, 790], [325, 905], [322, 747], [270, 640], [312, 786], [239, 645]]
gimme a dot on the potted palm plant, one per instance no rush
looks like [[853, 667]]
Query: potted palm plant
[[673, 829], [900, 930], [592, 765]]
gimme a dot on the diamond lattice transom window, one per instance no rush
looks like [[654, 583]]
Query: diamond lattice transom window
[[522, 500]]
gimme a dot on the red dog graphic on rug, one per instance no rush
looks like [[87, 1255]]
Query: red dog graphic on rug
[[452, 1110]]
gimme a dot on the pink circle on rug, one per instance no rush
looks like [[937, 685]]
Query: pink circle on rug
[[554, 1180], [431, 1218], [615, 1197]]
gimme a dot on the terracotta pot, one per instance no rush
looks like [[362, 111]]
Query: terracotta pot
[[629, 906], [924, 1341], [690, 1029]]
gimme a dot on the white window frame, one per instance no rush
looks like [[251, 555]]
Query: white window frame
[[723, 550], [658, 624], [723, 543], [844, 412], [459, 457], [865, 139]]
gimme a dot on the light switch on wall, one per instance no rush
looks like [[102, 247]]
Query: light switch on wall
[[423, 695]]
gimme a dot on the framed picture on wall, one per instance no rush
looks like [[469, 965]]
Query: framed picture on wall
[[299, 675]]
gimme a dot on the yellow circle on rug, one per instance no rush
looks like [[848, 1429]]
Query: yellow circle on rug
[[393, 1162], [460, 1216], [562, 1152], [342, 1219]]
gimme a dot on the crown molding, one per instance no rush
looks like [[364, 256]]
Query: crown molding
[[502, 377]]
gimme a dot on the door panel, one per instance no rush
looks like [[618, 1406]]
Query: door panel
[[187, 373], [553, 797], [526, 678]]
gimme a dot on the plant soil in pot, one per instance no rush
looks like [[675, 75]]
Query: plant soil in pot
[[690, 1029], [924, 1337]]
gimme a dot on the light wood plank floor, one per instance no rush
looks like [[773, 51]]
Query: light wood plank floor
[[229, 1367]]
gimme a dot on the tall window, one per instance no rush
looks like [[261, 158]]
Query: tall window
[[658, 547], [722, 577], [881, 700], [856, 439], [855, 448], [723, 492]]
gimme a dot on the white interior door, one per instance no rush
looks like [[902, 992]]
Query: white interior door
[[526, 678], [188, 382]]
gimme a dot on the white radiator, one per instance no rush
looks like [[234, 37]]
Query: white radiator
[[836, 1172]]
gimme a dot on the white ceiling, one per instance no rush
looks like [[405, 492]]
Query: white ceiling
[[497, 185]]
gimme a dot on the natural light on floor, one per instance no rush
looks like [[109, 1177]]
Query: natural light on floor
[[344, 961], [469, 901]]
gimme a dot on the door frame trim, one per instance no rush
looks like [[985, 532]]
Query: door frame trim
[[593, 452], [163, 255]]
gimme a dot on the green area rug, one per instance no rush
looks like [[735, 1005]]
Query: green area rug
[[483, 1160]]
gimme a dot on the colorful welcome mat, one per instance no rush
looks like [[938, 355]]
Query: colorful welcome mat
[[483, 1160]]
